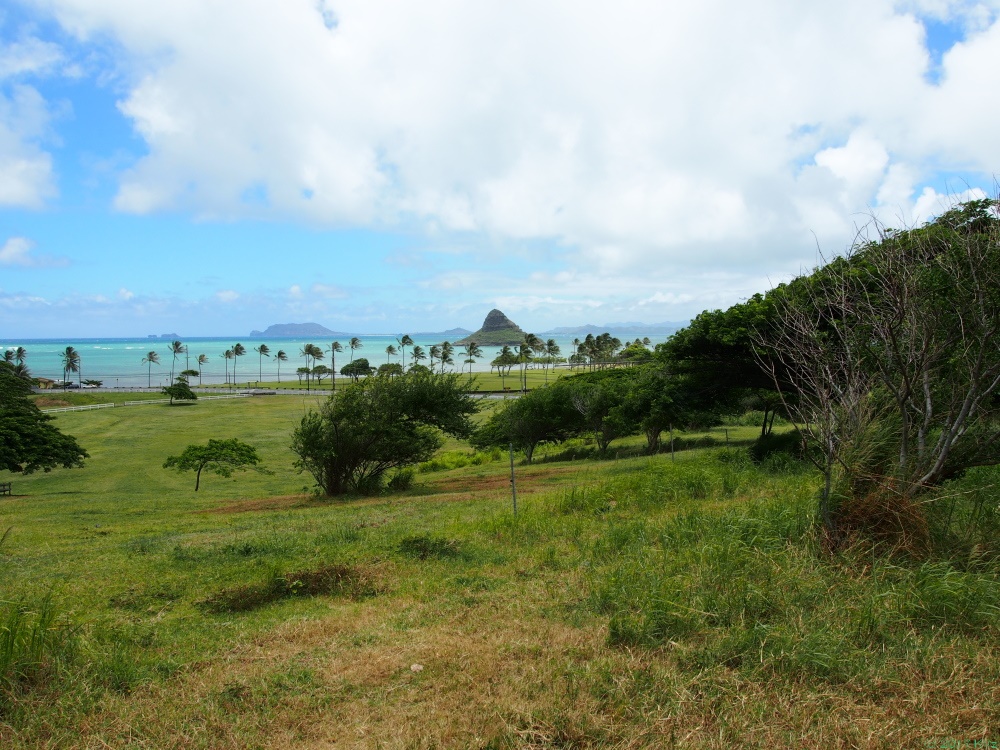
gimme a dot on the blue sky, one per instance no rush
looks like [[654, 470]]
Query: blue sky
[[379, 166]]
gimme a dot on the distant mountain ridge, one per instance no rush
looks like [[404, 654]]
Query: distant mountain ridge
[[297, 329]]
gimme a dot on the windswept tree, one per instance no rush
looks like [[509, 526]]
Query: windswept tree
[[202, 360], [380, 425], [70, 361], [359, 368], [435, 352], [355, 343], [389, 351], [176, 348], [447, 354], [335, 348], [238, 351], [404, 341], [307, 352], [891, 354], [222, 457], [151, 358], [180, 390], [279, 358], [228, 355], [472, 353], [417, 355], [262, 351], [552, 352]]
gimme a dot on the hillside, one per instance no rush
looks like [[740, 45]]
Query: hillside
[[297, 330], [497, 330]]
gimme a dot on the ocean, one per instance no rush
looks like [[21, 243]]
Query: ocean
[[118, 362]]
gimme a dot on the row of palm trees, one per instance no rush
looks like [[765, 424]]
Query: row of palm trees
[[15, 358]]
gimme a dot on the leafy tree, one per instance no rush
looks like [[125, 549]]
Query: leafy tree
[[223, 457], [544, 415], [320, 372], [70, 361], [391, 369], [356, 369], [891, 354], [180, 390], [279, 358], [151, 358], [657, 399], [599, 398], [380, 424], [262, 351], [28, 440]]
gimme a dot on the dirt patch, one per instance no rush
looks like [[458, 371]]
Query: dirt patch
[[531, 480], [281, 502], [48, 402]]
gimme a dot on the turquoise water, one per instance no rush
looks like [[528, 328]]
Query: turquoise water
[[118, 362]]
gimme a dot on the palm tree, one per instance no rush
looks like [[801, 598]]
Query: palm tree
[[472, 351], [435, 351], [316, 352], [151, 358], [279, 358], [524, 355], [202, 360], [262, 351], [389, 351], [355, 343], [404, 341], [176, 347], [228, 355], [417, 356], [447, 352], [70, 362], [238, 351], [335, 347], [552, 351], [8, 356]]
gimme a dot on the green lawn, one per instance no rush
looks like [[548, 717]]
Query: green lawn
[[634, 601]]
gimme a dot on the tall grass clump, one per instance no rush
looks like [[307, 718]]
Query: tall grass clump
[[36, 642]]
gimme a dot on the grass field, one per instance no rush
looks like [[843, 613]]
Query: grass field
[[633, 602]]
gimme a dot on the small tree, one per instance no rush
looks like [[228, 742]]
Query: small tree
[[357, 369], [223, 457], [380, 424], [180, 390], [544, 415]]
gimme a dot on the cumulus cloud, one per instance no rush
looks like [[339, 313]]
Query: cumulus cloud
[[25, 169], [639, 139]]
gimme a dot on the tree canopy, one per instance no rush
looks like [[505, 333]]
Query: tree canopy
[[28, 439], [379, 424], [222, 457]]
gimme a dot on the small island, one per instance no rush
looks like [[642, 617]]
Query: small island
[[497, 330]]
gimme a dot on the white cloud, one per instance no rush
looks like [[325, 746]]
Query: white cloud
[[646, 139], [125, 295], [227, 295], [18, 252], [29, 55], [25, 169], [327, 291]]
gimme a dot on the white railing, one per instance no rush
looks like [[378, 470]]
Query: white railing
[[88, 407]]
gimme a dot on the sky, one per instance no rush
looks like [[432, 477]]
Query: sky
[[208, 167]]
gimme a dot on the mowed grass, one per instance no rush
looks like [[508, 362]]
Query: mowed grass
[[633, 602]]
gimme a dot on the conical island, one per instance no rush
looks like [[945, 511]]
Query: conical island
[[497, 330]]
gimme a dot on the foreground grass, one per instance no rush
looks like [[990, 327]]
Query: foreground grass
[[632, 602]]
